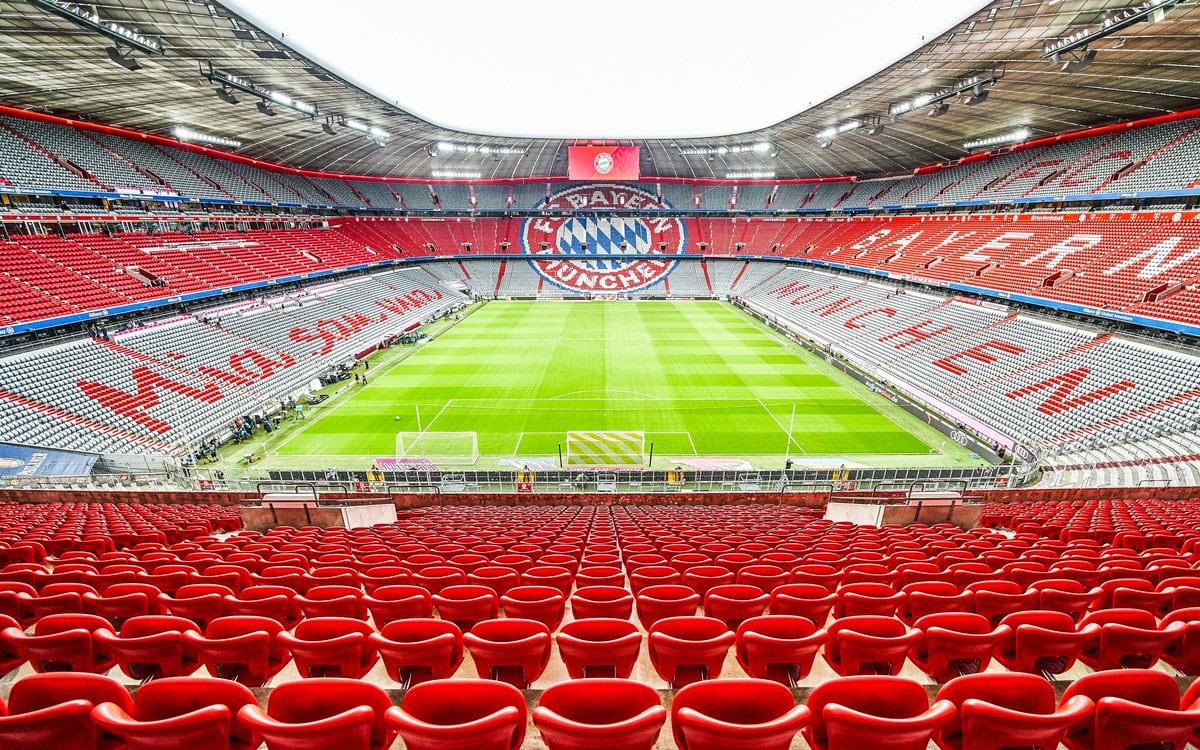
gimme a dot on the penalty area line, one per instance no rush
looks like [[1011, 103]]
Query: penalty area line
[[791, 438]]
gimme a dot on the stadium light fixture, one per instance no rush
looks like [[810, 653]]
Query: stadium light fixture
[[126, 61], [184, 133], [842, 128], [975, 86], [267, 97], [89, 17], [975, 95], [446, 147], [377, 134], [1079, 59], [749, 175], [455, 174], [327, 126], [939, 109], [761, 148], [1150, 11], [1017, 136]]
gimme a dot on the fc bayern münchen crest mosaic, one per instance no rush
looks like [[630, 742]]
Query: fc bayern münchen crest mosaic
[[581, 253]]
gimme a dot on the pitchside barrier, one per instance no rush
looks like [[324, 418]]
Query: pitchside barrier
[[584, 480]]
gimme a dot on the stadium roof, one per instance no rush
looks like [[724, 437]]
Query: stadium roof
[[49, 63]]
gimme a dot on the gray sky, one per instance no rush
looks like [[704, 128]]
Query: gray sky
[[620, 69]]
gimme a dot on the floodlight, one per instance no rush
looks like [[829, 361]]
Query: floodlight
[[128, 62], [184, 133]]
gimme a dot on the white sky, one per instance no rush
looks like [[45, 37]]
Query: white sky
[[617, 69]]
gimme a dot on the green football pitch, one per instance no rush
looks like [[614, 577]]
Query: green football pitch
[[700, 379]]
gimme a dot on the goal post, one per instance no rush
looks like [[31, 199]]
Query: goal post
[[458, 448], [606, 448]]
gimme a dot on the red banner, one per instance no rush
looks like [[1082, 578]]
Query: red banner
[[602, 162]]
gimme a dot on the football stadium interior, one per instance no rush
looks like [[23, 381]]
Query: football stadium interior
[[323, 425]]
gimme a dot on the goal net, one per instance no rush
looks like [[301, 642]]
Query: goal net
[[606, 448], [439, 447]]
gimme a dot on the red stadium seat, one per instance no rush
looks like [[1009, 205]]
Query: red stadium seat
[[150, 647], [1065, 595], [335, 713], [808, 600], [333, 600], [511, 650], [688, 649], [242, 648], [62, 643], [955, 643], [852, 713], [601, 601], [869, 645], [549, 575], [735, 602], [331, 647], [545, 604], [331, 575], [398, 602], [1184, 653], [10, 657], [766, 577], [13, 597], [600, 575], [276, 602], [655, 603], [924, 598], [180, 713], [997, 599], [1128, 639], [877, 599], [1007, 710], [122, 601], [199, 602], [653, 575], [1134, 593], [615, 714], [437, 577], [701, 578], [55, 711], [1134, 708], [825, 576], [496, 577], [1190, 702], [778, 647], [460, 715], [1043, 642], [384, 575], [736, 713], [290, 577], [467, 605], [419, 650], [599, 647]]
